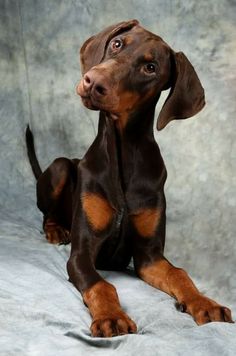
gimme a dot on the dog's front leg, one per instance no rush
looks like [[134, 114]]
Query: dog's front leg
[[153, 268], [108, 318], [176, 282]]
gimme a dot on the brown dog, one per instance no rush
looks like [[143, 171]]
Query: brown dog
[[111, 204]]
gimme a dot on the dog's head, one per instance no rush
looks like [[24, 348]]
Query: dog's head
[[126, 67]]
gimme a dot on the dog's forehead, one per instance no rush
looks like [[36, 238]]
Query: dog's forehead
[[143, 40]]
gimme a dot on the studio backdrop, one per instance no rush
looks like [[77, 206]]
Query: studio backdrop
[[39, 70]]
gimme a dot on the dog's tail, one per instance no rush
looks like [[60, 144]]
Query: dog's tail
[[31, 153]]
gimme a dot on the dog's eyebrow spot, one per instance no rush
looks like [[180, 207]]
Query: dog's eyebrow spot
[[146, 221], [148, 57], [128, 40], [98, 210]]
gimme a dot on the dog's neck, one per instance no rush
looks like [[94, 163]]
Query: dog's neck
[[128, 130], [125, 145]]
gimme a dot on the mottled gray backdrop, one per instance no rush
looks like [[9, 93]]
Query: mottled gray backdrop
[[39, 69]]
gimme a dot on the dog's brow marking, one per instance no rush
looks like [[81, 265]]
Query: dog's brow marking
[[98, 211], [148, 57], [128, 40]]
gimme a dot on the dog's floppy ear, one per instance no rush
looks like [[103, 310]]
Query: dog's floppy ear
[[186, 97], [93, 49]]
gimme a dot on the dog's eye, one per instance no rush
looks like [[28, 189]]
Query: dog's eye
[[116, 44], [150, 68]]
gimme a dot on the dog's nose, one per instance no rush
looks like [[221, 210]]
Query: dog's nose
[[88, 83], [92, 82]]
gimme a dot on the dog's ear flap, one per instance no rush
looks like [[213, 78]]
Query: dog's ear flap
[[93, 49], [186, 97]]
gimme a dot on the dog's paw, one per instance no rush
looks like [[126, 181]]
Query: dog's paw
[[55, 234], [113, 326], [205, 310]]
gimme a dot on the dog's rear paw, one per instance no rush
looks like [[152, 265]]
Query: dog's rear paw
[[55, 234], [113, 326]]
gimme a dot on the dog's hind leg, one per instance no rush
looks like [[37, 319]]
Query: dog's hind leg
[[55, 189]]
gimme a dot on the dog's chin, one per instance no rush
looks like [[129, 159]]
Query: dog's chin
[[91, 104]]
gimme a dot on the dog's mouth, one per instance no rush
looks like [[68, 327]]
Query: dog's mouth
[[92, 102], [86, 97]]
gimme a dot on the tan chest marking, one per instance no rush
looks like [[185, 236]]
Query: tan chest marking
[[98, 211], [146, 221]]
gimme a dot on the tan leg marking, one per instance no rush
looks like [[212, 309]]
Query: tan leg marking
[[163, 275], [176, 282], [98, 210], [155, 274], [146, 221], [107, 314]]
